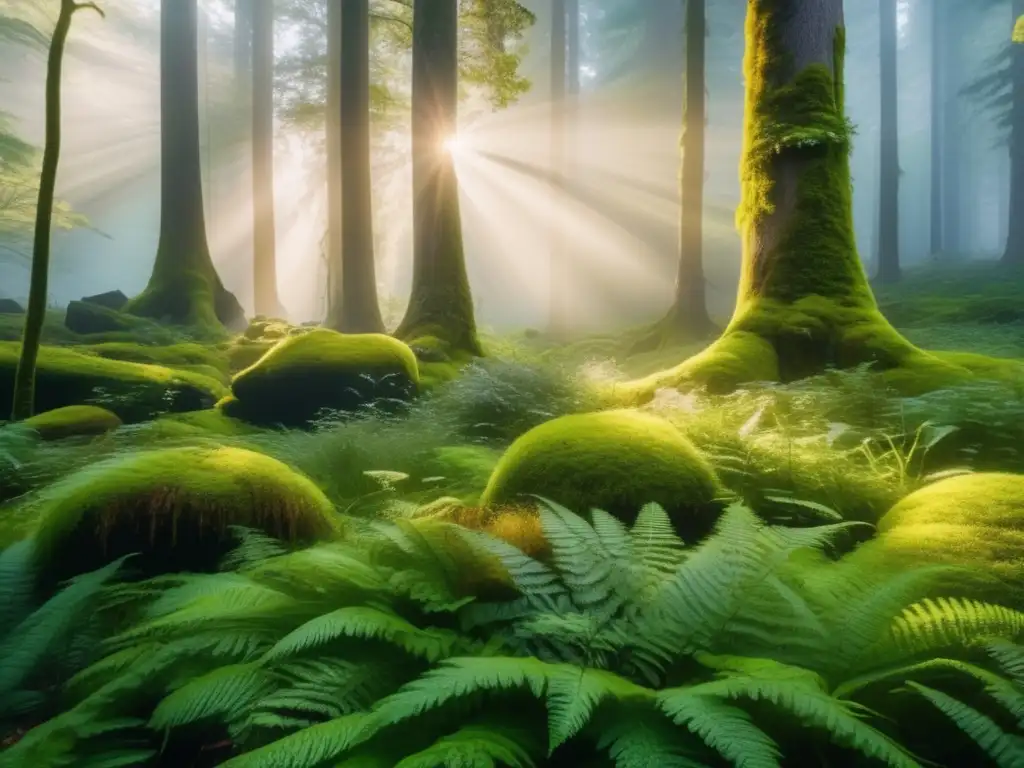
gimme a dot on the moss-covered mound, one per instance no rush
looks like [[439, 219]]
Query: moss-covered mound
[[303, 376], [973, 520], [73, 421], [770, 341], [175, 507], [614, 460], [133, 391], [184, 356]]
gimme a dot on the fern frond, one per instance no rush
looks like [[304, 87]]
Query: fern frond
[[484, 745], [640, 740], [16, 584], [369, 623], [224, 693], [254, 546], [954, 622], [1010, 657], [655, 548], [574, 693], [30, 642], [725, 728], [310, 747], [802, 693], [122, 758], [459, 677], [1007, 750]]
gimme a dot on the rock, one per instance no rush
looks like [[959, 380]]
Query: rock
[[175, 507], [323, 370], [133, 391], [73, 421], [10, 307], [114, 300], [85, 318], [616, 461]]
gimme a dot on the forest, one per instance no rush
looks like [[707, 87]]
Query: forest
[[511, 383]]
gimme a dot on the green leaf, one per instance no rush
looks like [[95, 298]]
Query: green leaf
[[490, 745]]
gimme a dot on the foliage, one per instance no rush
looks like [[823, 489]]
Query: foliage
[[626, 644], [1018, 31]]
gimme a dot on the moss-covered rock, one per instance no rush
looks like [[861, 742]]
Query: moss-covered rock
[[305, 375], [86, 318], [114, 300], [975, 521], [175, 507], [614, 460], [184, 355], [73, 421], [133, 391], [11, 307]]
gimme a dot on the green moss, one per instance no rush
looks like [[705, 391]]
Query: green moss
[[974, 521], [175, 507], [73, 421], [187, 297], [323, 369], [1018, 31], [183, 355], [242, 352], [613, 460], [133, 391], [212, 421]]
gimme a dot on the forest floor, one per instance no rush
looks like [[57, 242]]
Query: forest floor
[[825, 455]]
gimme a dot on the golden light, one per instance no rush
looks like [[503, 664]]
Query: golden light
[[453, 144]]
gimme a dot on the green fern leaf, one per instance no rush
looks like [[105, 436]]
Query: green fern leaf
[[1010, 657], [477, 746], [16, 584], [369, 623], [459, 677], [30, 642], [933, 624], [1007, 750], [573, 693], [654, 544], [117, 759], [725, 728], [802, 693], [612, 535], [225, 693], [638, 740], [311, 747]]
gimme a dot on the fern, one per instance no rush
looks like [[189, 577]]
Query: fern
[[310, 747], [226, 692], [933, 624], [487, 745], [1007, 750]]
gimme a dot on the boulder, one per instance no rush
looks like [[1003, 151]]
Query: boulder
[[114, 300]]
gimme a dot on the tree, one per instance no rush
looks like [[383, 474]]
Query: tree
[[440, 304], [243, 43], [888, 156], [687, 318], [357, 309], [558, 314], [184, 287], [263, 227], [938, 21], [1014, 253], [804, 303], [25, 375]]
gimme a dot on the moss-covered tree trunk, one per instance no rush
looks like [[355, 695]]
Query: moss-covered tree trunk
[[184, 287], [358, 310], [888, 156], [1014, 253], [25, 375], [440, 305], [263, 227], [332, 240], [804, 303]]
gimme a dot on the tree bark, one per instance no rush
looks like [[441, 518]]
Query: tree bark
[[359, 310], [689, 313], [263, 227], [184, 287], [889, 161], [558, 284], [23, 404], [937, 89], [440, 303], [1014, 253], [335, 276]]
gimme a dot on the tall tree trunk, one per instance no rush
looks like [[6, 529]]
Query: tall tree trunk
[[804, 303], [184, 287], [952, 132], [889, 160], [23, 404], [1014, 253], [937, 89], [558, 284], [335, 276], [263, 226], [359, 309], [242, 52], [440, 304], [689, 314]]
